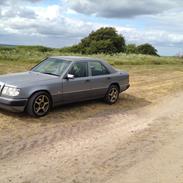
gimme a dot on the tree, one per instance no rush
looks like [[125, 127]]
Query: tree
[[147, 49], [131, 49], [104, 40]]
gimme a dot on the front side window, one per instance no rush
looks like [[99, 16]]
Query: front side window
[[98, 69], [52, 66], [79, 69]]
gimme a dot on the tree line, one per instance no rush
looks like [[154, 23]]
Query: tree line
[[107, 40]]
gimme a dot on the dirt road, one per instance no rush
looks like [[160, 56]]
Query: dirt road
[[137, 140], [135, 146]]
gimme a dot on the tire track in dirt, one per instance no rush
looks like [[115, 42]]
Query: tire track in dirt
[[59, 133], [119, 142], [41, 139], [67, 133]]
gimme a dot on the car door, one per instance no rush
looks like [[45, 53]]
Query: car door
[[77, 89], [100, 79]]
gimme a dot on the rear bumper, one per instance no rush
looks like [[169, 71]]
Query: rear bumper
[[14, 105], [124, 87]]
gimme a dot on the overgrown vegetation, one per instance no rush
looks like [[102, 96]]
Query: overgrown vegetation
[[106, 40], [145, 49], [22, 57]]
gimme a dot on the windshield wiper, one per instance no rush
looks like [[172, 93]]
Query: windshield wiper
[[50, 73]]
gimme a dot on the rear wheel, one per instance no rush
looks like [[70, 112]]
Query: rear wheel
[[112, 94], [39, 104]]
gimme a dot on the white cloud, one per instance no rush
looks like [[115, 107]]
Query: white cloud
[[122, 8], [47, 21], [153, 36], [17, 12], [59, 25], [50, 13]]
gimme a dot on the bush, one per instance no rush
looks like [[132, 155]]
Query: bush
[[147, 49], [131, 49], [34, 48], [6, 48], [104, 40]]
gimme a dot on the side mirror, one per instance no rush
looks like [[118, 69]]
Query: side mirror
[[70, 76]]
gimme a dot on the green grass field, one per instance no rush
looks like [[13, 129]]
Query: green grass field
[[23, 58]]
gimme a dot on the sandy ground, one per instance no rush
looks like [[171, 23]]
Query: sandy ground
[[137, 140], [142, 145]]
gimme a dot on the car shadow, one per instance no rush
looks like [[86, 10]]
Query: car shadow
[[83, 110]]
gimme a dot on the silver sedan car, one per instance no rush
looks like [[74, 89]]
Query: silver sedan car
[[60, 80]]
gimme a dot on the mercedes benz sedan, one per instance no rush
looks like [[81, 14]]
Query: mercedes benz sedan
[[60, 80]]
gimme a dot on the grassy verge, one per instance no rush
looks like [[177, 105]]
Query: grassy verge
[[20, 58]]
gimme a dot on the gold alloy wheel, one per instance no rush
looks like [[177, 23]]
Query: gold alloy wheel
[[113, 95], [41, 105]]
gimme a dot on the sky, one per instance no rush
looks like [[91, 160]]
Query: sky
[[59, 23]]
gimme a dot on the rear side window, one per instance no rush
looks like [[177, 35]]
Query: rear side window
[[98, 69], [79, 69]]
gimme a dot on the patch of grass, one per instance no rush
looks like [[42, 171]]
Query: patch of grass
[[33, 54], [123, 59]]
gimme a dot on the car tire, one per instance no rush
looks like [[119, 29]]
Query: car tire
[[112, 94], [39, 104]]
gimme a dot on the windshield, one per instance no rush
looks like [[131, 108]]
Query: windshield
[[52, 66]]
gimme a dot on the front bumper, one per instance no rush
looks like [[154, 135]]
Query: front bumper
[[14, 105]]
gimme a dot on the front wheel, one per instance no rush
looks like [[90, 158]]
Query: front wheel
[[39, 104], [112, 94]]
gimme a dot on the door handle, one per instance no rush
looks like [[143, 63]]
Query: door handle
[[108, 78]]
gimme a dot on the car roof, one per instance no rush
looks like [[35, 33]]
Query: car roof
[[75, 58]]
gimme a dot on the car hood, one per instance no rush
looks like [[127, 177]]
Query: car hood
[[24, 78]]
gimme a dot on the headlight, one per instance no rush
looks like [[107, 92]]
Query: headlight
[[10, 91]]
